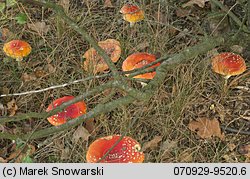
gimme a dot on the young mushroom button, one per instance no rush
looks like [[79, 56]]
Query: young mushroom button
[[17, 49], [132, 13], [73, 111], [126, 151]]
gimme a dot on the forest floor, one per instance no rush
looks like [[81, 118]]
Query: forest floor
[[191, 91]]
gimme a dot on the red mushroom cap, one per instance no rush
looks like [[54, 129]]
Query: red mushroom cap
[[228, 64], [138, 60], [94, 62], [17, 49], [132, 13], [129, 9], [126, 151], [73, 111]]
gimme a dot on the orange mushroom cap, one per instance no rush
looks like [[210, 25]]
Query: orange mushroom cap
[[73, 111], [228, 64], [138, 60], [132, 13], [95, 63], [126, 151], [17, 49]]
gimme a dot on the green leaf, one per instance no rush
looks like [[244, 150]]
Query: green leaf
[[2, 6], [21, 18], [27, 159], [10, 3]]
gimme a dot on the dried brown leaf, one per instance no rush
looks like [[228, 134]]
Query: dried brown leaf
[[81, 132], [180, 12], [152, 143], [90, 125], [2, 110], [39, 73], [65, 4], [108, 3], [65, 153], [28, 77], [229, 158], [200, 3], [245, 150], [231, 146], [206, 128], [169, 145], [2, 160], [142, 46], [12, 107], [39, 27], [51, 68], [5, 34], [186, 156], [237, 48], [20, 153]]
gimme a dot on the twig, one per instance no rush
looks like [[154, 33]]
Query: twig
[[242, 88], [223, 19], [59, 108], [131, 72], [117, 142], [238, 131], [239, 77], [231, 14], [56, 86]]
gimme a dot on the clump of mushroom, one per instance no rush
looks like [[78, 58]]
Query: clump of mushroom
[[228, 64], [17, 49], [73, 111], [95, 63], [132, 13], [138, 60], [126, 151]]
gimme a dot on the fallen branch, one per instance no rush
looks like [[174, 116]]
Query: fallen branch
[[238, 131]]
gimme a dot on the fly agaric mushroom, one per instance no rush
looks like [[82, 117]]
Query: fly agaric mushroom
[[228, 64], [132, 13], [126, 151], [17, 49], [95, 63], [138, 60], [73, 111]]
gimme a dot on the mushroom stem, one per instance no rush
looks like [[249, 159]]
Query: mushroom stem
[[19, 64], [19, 59], [143, 84], [131, 24], [225, 87]]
